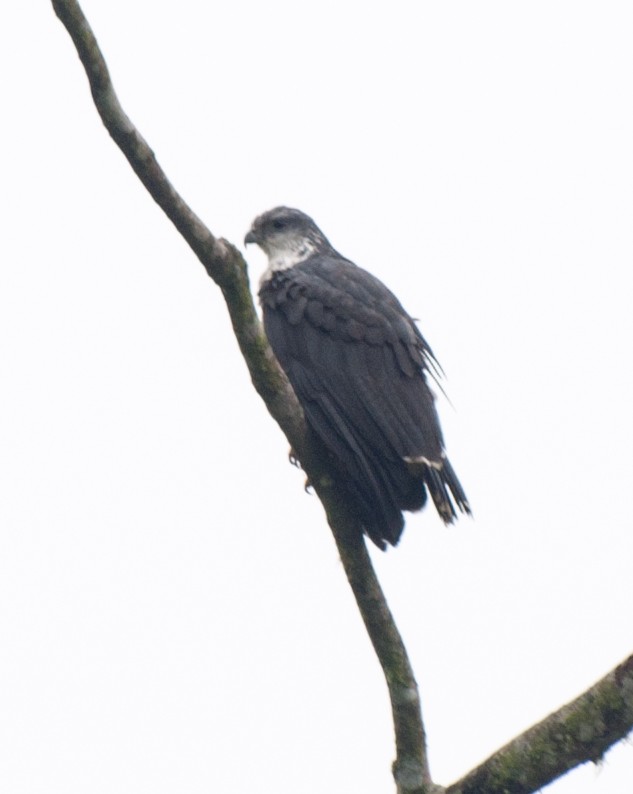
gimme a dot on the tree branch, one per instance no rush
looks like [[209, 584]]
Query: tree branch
[[410, 768], [580, 731], [225, 265]]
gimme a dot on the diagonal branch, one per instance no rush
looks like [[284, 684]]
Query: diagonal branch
[[223, 262], [580, 731], [225, 265]]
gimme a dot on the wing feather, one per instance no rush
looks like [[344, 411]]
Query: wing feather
[[358, 365]]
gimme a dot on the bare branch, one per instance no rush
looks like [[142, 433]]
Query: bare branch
[[222, 261], [580, 731], [411, 765], [225, 265]]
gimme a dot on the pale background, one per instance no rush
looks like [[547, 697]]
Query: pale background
[[173, 615]]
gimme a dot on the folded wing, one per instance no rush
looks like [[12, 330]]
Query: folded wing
[[359, 367]]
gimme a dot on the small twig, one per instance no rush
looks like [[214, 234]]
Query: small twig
[[225, 265]]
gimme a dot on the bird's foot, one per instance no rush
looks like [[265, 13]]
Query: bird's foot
[[292, 457]]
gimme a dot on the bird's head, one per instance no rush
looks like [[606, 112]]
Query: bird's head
[[287, 236]]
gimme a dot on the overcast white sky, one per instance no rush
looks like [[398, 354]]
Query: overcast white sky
[[173, 615]]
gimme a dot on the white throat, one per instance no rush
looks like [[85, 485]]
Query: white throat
[[288, 253]]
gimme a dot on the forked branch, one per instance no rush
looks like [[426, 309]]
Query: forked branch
[[579, 732]]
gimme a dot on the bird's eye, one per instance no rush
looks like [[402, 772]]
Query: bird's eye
[[278, 224]]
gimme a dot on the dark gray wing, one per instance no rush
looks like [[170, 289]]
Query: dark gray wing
[[358, 365]]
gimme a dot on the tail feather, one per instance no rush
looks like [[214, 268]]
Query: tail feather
[[446, 491], [393, 489]]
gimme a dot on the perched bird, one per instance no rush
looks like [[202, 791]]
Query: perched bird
[[359, 367]]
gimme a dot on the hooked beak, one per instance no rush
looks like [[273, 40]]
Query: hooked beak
[[251, 237]]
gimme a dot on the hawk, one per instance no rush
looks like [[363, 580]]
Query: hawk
[[360, 369]]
